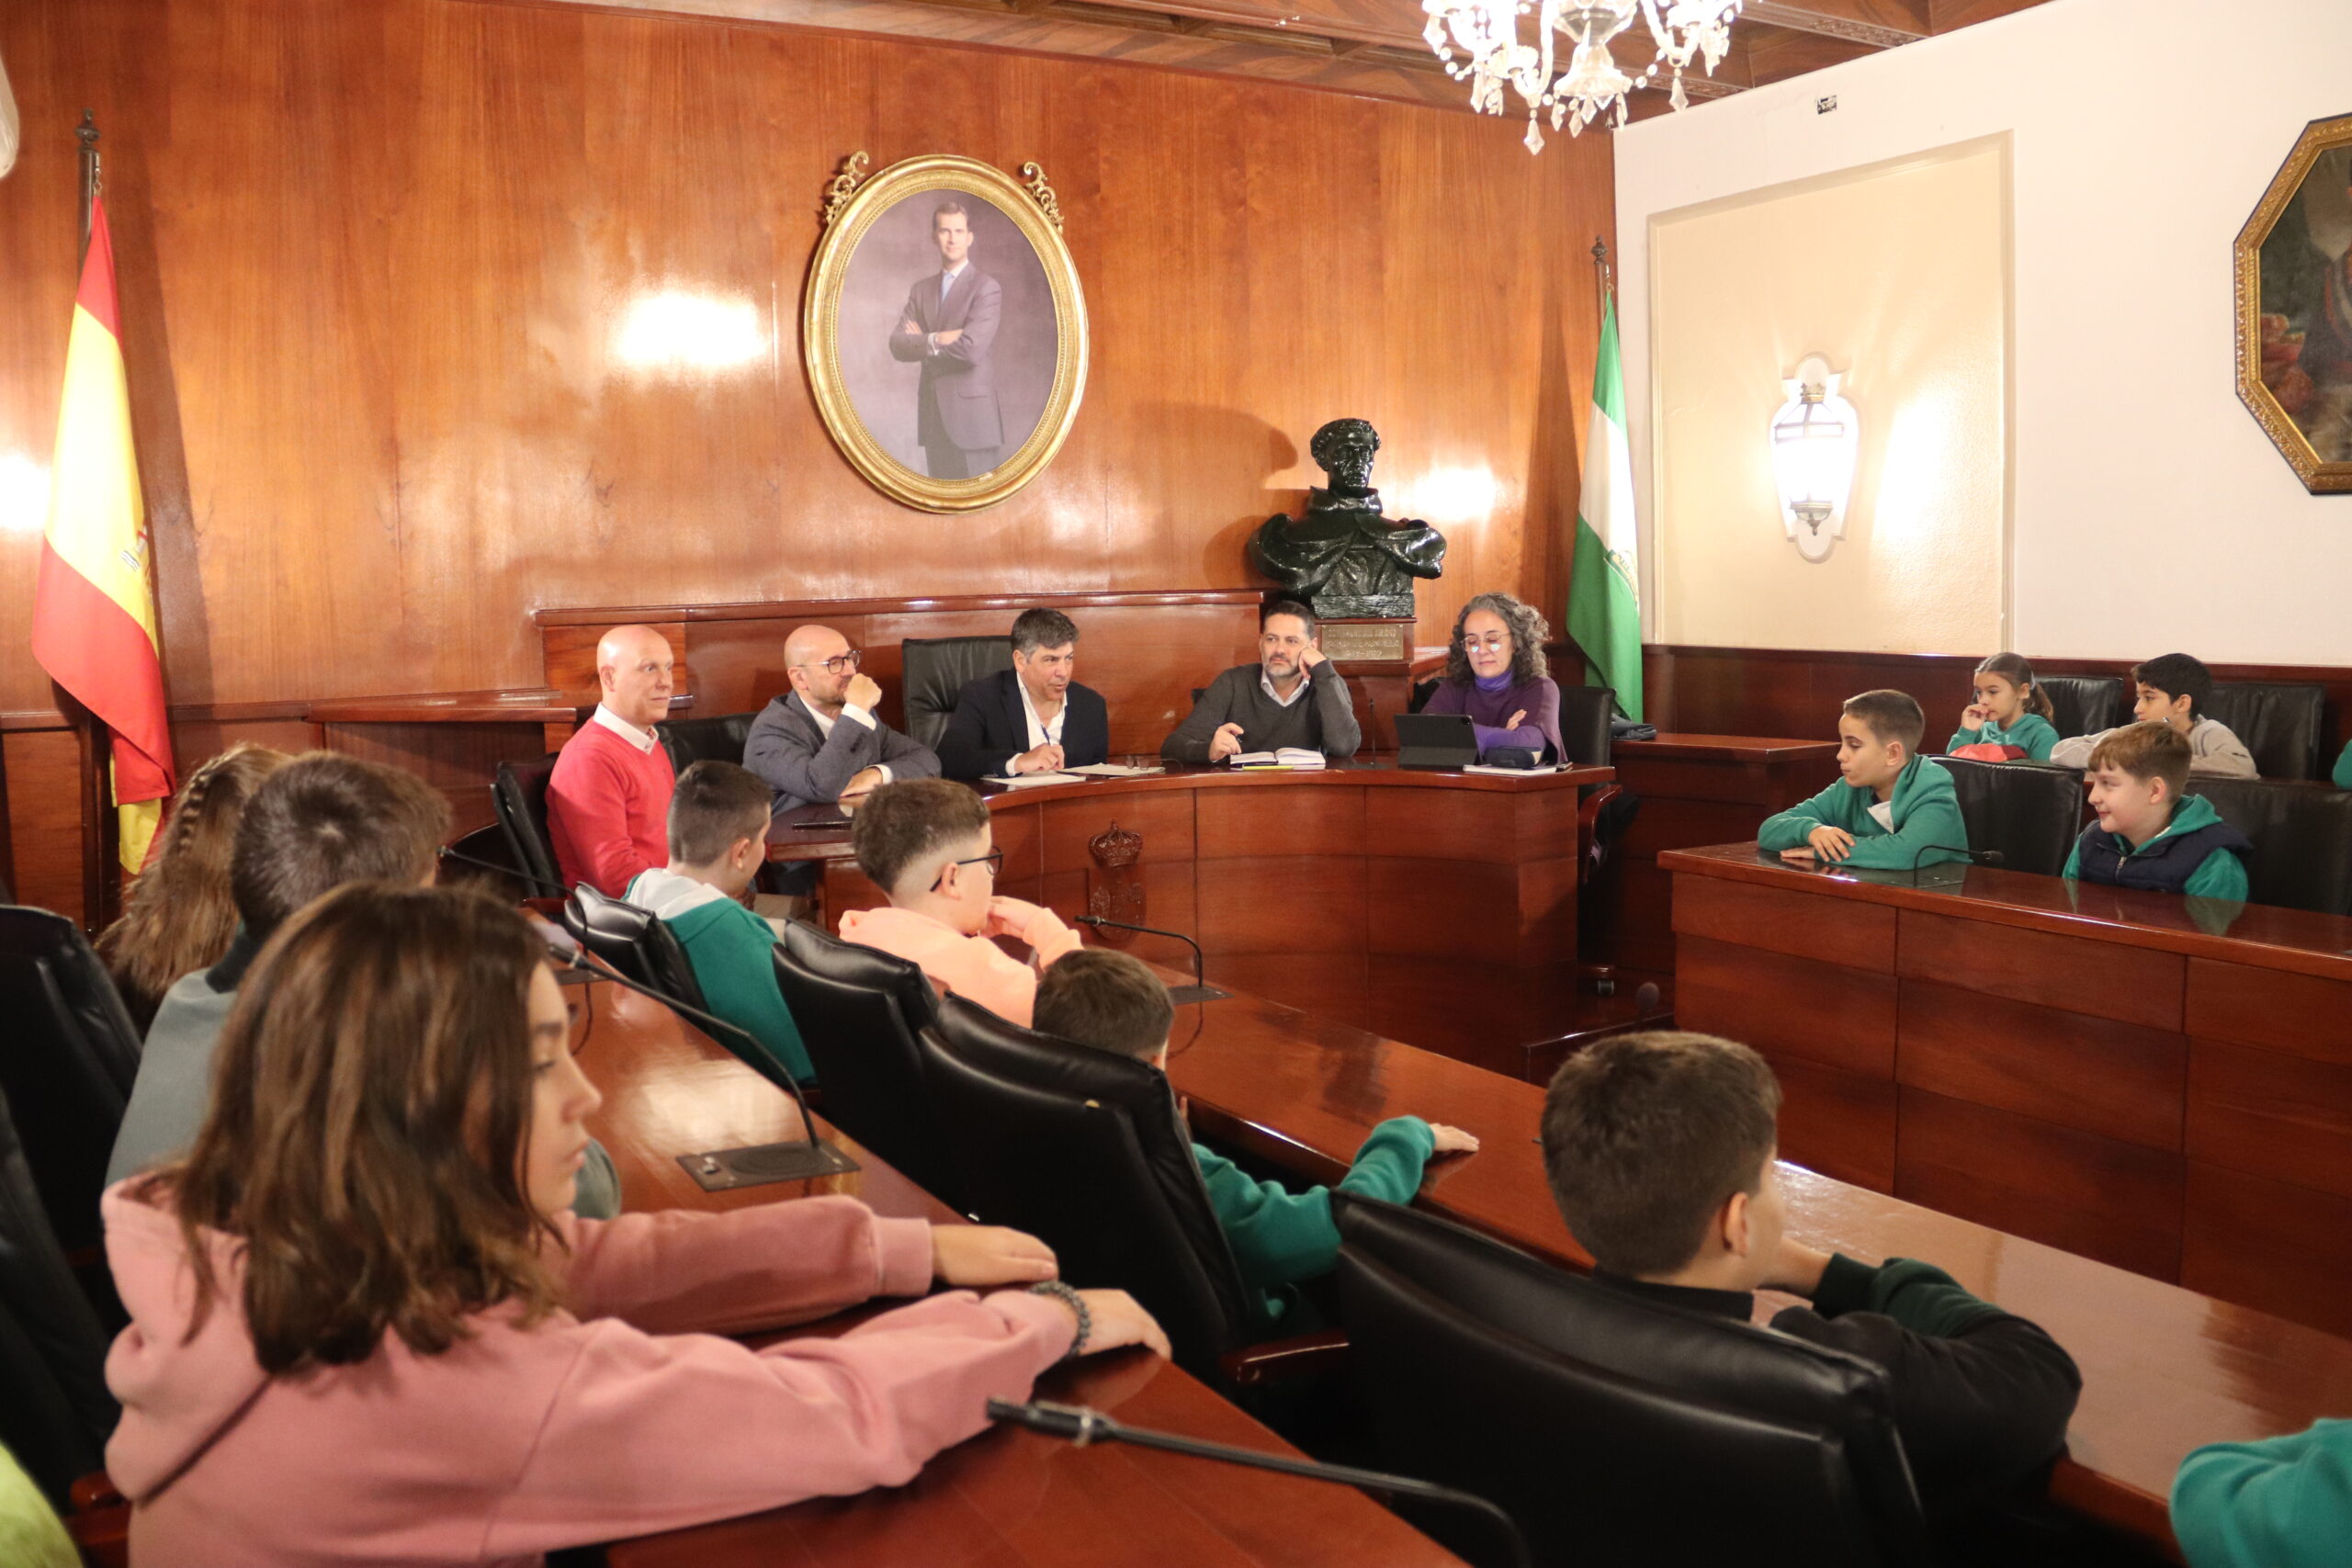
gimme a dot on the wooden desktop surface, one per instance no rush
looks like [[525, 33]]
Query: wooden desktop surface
[[2164, 1369], [1362, 891], [1007, 1498], [2161, 1083]]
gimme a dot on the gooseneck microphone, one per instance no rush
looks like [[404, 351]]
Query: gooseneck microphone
[[1200, 990], [1976, 857], [806, 1156], [1081, 1425], [516, 871]]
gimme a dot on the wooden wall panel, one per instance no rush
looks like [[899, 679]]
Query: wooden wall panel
[[2283, 1116], [1823, 1013], [1803, 925], [44, 770], [460, 760], [2122, 1080], [2101, 978], [376, 260], [1841, 1125], [2283, 1248]]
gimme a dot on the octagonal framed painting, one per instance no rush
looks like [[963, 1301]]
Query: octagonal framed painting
[[2293, 261]]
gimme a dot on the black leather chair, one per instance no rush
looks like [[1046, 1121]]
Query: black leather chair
[[2031, 812], [1086, 1150], [2279, 721], [2085, 705], [691, 740], [1613, 1429], [634, 942], [1604, 814], [68, 1056], [859, 1010], [1585, 713], [937, 669], [520, 794], [2303, 838], [55, 1412]]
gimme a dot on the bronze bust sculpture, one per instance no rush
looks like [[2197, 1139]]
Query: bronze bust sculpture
[[1344, 558]]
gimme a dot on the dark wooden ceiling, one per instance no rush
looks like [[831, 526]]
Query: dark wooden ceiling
[[1368, 46]]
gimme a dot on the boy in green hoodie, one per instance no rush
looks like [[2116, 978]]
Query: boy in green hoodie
[[2149, 835], [1892, 811], [718, 834], [2279, 1503], [1113, 1002]]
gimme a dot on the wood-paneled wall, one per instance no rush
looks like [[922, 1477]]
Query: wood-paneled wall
[[374, 258]]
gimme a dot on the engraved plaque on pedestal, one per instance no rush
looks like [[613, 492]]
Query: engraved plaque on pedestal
[[1351, 642]]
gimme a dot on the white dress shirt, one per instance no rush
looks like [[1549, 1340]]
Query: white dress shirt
[[1266, 682], [642, 740], [1041, 733]]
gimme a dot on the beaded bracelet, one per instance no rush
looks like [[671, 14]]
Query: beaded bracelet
[[1077, 1303]]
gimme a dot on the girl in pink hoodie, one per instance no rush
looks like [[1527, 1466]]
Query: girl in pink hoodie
[[366, 1329]]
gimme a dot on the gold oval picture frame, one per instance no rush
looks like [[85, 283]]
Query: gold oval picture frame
[[2293, 262], [914, 364]]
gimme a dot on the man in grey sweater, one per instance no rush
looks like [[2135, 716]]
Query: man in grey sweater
[[1292, 696]]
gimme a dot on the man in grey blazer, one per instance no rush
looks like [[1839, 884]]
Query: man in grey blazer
[[820, 739], [948, 327]]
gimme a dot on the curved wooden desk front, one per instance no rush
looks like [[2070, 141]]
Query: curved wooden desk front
[[1438, 906]]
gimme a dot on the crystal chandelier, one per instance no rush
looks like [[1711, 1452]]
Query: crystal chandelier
[[1487, 33]]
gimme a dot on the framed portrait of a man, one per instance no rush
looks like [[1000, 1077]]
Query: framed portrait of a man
[[2294, 308], [945, 330]]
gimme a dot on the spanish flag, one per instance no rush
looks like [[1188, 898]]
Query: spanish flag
[[93, 605]]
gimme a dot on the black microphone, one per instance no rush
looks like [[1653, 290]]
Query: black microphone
[[719, 1170], [1976, 857], [447, 853], [1078, 1425], [1183, 996]]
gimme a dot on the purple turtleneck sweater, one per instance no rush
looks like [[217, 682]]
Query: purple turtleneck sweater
[[1539, 698]]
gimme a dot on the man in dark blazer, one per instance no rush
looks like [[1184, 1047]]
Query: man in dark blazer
[[948, 327], [820, 739], [1031, 718]]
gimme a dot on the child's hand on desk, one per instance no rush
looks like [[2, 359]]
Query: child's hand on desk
[[1828, 843], [1117, 1321], [980, 1256], [1452, 1140]]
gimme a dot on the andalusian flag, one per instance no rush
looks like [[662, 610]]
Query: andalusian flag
[[1604, 583], [93, 608]]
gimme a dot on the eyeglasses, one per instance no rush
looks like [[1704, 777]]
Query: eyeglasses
[[1493, 642], [840, 663], [994, 860]]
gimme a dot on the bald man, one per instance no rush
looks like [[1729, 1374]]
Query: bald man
[[821, 741], [608, 800]]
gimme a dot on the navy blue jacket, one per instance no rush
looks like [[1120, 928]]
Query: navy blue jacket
[[989, 727]]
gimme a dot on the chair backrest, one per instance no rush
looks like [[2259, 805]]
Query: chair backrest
[[635, 942], [2279, 722], [2085, 705], [1585, 1412], [2031, 812], [1086, 1149], [520, 794], [858, 1010], [937, 668], [691, 740], [55, 1411], [2303, 838], [1585, 713], [67, 1056]]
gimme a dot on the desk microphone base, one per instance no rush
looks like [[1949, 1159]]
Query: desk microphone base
[[722, 1170], [1185, 996]]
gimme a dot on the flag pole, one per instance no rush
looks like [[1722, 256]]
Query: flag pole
[[101, 893], [1601, 269]]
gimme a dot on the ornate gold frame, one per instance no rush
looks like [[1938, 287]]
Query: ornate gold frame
[[2320, 479], [851, 204]]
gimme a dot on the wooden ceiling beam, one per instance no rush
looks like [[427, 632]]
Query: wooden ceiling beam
[[1880, 24]]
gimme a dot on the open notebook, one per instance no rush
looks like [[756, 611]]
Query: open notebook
[[1288, 757]]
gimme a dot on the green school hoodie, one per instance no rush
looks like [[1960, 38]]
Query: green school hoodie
[[1280, 1238], [1926, 811], [2280, 1503], [2220, 876], [2033, 732], [2343, 768], [728, 946]]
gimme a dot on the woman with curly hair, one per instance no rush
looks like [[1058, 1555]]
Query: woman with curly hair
[[179, 917], [1496, 673]]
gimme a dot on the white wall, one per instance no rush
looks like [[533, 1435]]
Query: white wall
[[2149, 511]]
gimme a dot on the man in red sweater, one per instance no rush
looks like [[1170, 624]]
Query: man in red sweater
[[608, 800]]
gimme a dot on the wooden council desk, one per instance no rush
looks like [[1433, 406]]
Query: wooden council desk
[[2161, 1083], [1007, 1498], [2164, 1369], [1441, 905]]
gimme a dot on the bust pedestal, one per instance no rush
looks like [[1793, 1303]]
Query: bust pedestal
[[1376, 654]]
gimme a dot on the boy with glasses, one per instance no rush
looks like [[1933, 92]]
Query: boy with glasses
[[821, 741], [926, 844]]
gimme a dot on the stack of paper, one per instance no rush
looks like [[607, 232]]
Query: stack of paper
[[1116, 771], [1030, 780]]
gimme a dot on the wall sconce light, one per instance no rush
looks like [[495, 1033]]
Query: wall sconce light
[[1816, 436]]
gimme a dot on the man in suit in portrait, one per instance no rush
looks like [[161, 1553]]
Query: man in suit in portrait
[[1031, 718], [948, 327]]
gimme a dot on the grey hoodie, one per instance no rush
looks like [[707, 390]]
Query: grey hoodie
[[2211, 746]]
